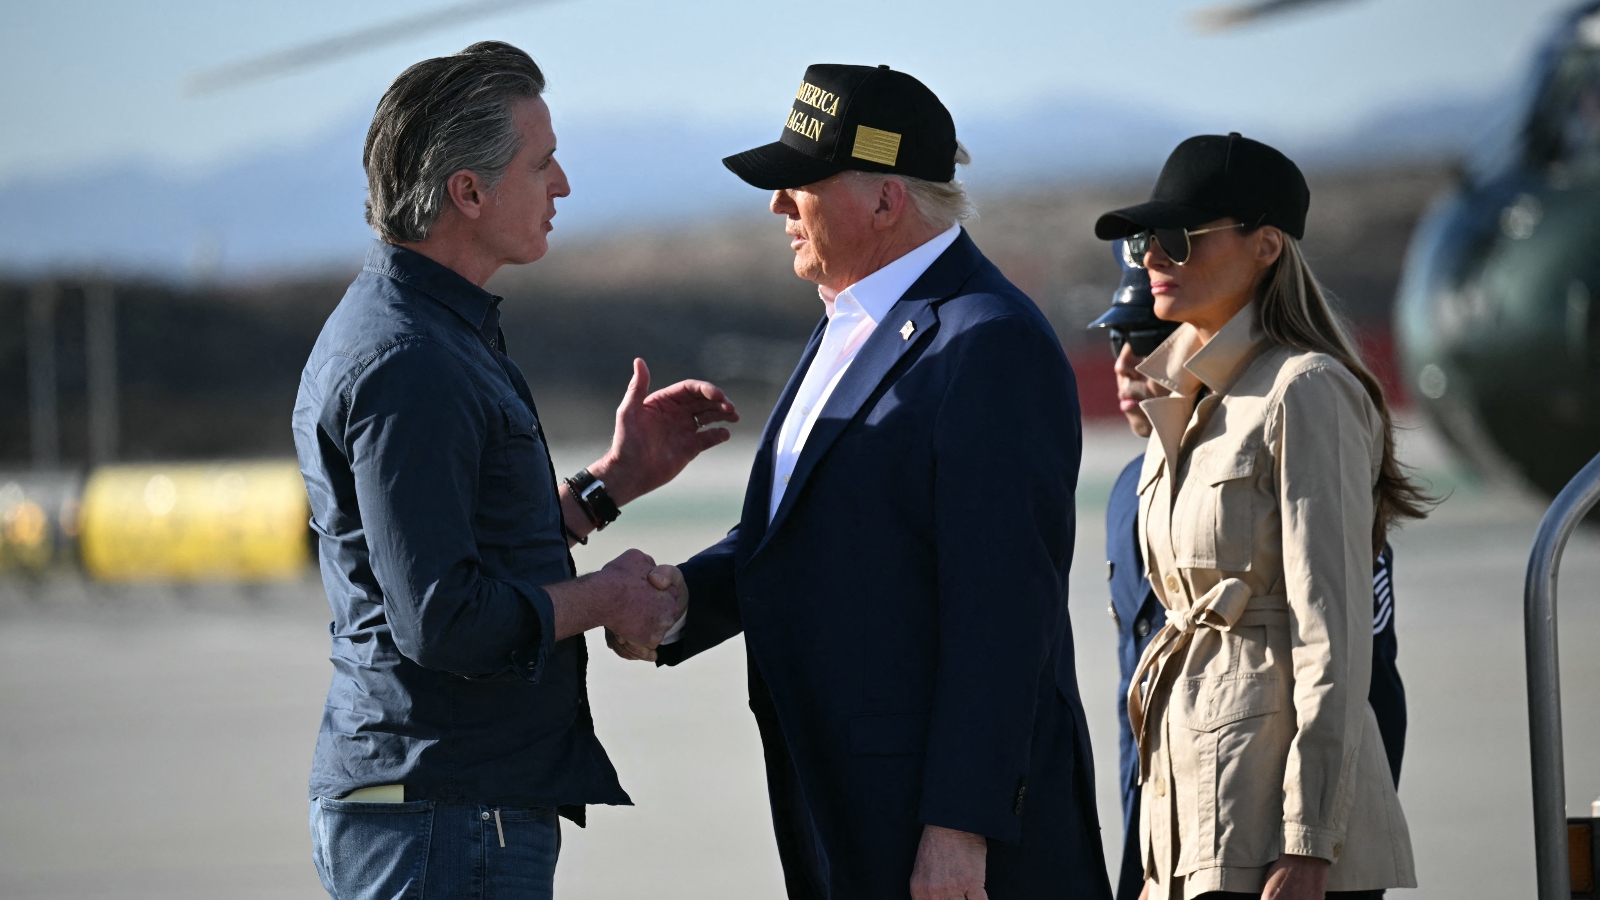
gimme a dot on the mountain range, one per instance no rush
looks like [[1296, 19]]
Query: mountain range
[[288, 211]]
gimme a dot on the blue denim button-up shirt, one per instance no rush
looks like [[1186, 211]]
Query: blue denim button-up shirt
[[438, 518]]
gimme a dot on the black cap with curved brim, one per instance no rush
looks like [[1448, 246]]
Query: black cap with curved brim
[[855, 117], [1212, 177], [1133, 306]]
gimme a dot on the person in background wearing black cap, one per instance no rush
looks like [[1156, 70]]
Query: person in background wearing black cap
[[1135, 333], [1265, 497], [900, 567]]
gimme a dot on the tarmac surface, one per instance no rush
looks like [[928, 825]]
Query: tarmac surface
[[155, 740]]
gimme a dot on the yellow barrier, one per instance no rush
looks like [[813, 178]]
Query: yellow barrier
[[239, 522]]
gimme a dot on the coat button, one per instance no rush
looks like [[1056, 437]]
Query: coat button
[[1172, 583], [1337, 849], [1161, 786], [1141, 627]]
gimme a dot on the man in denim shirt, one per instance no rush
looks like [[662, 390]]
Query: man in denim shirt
[[457, 725]]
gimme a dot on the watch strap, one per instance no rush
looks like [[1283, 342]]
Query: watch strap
[[592, 497]]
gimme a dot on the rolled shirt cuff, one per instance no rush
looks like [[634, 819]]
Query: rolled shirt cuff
[[529, 661], [1323, 843]]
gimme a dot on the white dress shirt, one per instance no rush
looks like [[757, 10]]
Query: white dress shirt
[[852, 317]]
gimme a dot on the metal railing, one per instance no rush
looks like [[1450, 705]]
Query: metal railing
[[1544, 679]]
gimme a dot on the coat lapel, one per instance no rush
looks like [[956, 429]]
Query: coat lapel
[[1169, 416], [758, 491], [888, 343]]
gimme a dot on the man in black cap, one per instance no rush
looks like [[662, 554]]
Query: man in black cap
[[900, 567]]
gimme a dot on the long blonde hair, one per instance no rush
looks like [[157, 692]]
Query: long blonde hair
[[1295, 312]]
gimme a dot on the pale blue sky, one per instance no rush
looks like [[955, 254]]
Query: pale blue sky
[[85, 83]]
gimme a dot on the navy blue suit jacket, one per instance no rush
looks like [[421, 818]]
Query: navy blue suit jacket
[[905, 612], [1138, 615]]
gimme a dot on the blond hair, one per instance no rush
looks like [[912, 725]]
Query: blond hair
[[1295, 311]]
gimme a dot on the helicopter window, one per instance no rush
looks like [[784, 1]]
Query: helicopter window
[[1565, 129]]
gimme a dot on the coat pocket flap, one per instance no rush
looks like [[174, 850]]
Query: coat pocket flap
[[893, 734], [1206, 703], [1216, 469]]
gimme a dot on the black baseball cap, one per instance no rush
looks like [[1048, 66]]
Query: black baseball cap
[[1215, 176], [855, 117], [1133, 306]]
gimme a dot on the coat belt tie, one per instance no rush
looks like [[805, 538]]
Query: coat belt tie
[[1226, 606]]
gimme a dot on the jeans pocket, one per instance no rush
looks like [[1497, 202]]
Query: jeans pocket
[[520, 851], [368, 851]]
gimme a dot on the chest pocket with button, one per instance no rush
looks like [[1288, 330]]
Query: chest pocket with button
[[524, 461], [1213, 519]]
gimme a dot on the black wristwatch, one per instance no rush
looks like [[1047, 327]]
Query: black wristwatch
[[590, 492]]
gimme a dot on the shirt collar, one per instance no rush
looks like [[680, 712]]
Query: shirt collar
[[1181, 368], [479, 307], [877, 293]]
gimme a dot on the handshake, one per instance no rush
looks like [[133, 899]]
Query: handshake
[[636, 601]]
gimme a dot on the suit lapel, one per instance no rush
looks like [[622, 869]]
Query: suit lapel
[[888, 343], [758, 492]]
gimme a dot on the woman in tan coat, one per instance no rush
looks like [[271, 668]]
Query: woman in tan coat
[[1270, 483]]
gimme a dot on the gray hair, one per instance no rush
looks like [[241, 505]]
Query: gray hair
[[939, 204], [440, 116]]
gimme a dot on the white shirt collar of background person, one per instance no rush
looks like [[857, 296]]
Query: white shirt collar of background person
[[852, 317]]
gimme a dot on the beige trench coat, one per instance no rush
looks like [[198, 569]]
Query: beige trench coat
[[1250, 705]]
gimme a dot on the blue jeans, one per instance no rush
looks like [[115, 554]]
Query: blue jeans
[[441, 851]]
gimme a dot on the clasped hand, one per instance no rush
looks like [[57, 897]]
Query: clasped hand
[[647, 599], [664, 578], [631, 596]]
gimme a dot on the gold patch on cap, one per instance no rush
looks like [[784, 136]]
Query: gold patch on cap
[[872, 145]]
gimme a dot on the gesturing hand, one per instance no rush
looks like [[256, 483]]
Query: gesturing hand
[[1296, 878], [951, 865], [658, 434], [666, 578]]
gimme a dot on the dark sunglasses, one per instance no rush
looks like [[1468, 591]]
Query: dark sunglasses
[[1142, 341], [1174, 243]]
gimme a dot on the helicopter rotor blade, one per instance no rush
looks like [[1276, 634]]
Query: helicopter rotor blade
[[315, 53], [1225, 17]]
